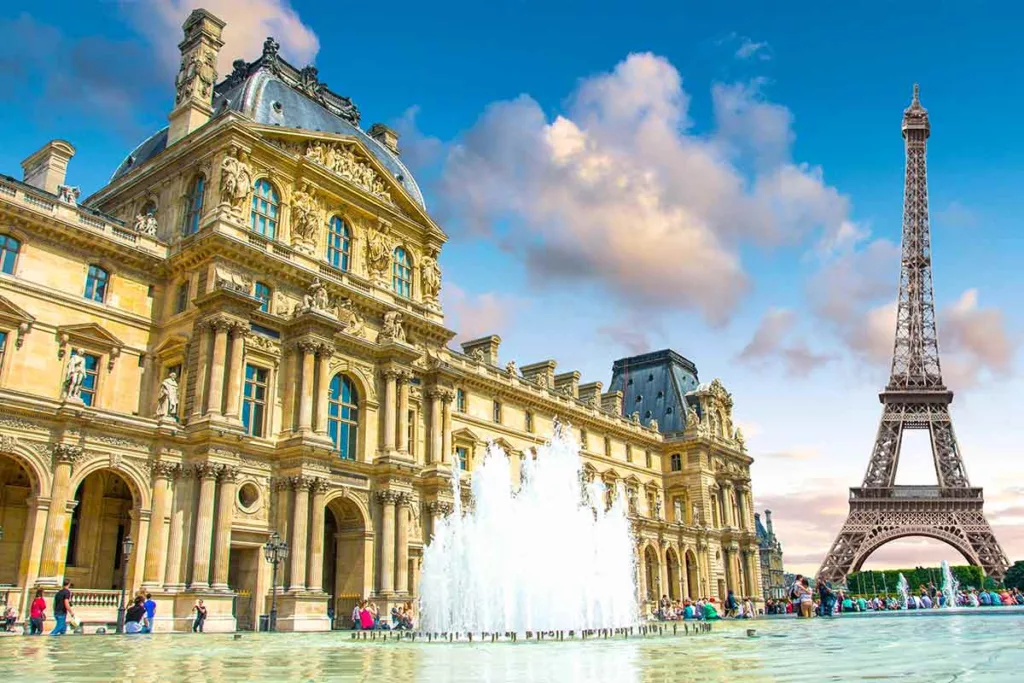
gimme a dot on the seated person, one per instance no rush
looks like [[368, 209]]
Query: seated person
[[135, 617]]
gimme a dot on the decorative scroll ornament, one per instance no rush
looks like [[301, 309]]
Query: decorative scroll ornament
[[343, 161], [392, 330], [307, 215], [235, 180]]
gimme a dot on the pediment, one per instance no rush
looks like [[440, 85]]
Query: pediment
[[465, 435], [13, 314], [89, 334], [174, 344]]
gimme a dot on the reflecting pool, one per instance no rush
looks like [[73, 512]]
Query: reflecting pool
[[977, 646]]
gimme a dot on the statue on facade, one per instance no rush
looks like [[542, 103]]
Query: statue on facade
[[695, 512], [740, 441], [392, 330], [657, 506], [74, 377], [652, 424], [635, 417], [347, 312], [305, 218], [511, 369], [69, 194], [235, 179], [316, 298], [692, 418], [378, 249], [167, 401], [145, 224], [430, 276]]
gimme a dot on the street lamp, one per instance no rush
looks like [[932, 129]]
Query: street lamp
[[276, 551], [126, 553]]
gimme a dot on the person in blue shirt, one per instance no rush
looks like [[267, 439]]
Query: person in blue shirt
[[150, 606], [688, 611], [985, 599]]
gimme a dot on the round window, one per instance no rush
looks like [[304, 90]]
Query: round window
[[248, 496]]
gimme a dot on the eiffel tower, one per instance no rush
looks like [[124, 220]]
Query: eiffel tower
[[915, 398]]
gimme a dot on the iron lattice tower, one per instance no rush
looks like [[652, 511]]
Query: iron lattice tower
[[915, 398]]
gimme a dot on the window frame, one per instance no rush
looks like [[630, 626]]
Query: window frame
[[250, 404], [5, 336], [195, 199], [102, 289], [335, 422], [339, 244], [496, 412], [460, 401], [463, 459], [528, 421], [181, 296], [676, 462], [92, 374], [259, 208], [401, 272], [8, 254], [264, 302]]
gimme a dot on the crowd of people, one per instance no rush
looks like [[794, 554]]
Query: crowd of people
[[367, 617], [704, 609]]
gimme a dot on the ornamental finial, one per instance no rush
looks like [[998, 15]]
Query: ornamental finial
[[917, 95]]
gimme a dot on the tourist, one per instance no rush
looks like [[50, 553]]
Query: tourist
[[926, 601], [827, 598], [847, 603], [730, 605], [61, 609], [200, 609], [375, 613], [688, 611], [10, 617], [357, 612], [748, 608], [37, 614], [805, 598], [135, 616], [366, 617], [709, 612], [150, 606]]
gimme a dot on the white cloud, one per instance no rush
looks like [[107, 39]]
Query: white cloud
[[772, 343], [248, 25], [617, 192], [476, 315], [749, 48]]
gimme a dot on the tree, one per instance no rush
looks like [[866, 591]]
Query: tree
[[1015, 576]]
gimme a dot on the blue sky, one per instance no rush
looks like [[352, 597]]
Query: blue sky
[[485, 95]]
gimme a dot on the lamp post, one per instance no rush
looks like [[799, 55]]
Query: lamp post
[[126, 553], [276, 552]]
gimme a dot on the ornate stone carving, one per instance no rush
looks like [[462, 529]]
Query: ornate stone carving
[[378, 251], [652, 424], [16, 422], [430, 277], [8, 443], [511, 369], [165, 470], [393, 329], [74, 377], [316, 299], [205, 470], [741, 443], [69, 194], [167, 401], [263, 343], [196, 76], [387, 497], [235, 180], [319, 485], [66, 452], [307, 215], [340, 159], [270, 48], [227, 472], [146, 224], [635, 417], [346, 311]]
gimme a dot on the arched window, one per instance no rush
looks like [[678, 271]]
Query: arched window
[[194, 205], [677, 462], [343, 416], [96, 284], [9, 248], [263, 218], [339, 243], [263, 293], [401, 274]]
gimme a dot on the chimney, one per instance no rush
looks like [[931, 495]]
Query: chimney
[[768, 521], [193, 99], [568, 383], [47, 168], [543, 373], [484, 349], [612, 402], [385, 136], [590, 393]]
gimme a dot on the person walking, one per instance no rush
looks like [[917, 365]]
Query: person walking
[[150, 606], [37, 614], [61, 609], [200, 610]]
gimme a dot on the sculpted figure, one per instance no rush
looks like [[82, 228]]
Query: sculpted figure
[[306, 213], [740, 441], [235, 179], [315, 152], [692, 418], [347, 311], [69, 194], [510, 368], [378, 249], [75, 376], [392, 329], [431, 276], [167, 401], [145, 224]]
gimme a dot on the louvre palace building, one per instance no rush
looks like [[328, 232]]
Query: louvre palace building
[[241, 335]]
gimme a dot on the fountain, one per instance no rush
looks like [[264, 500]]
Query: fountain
[[950, 586], [547, 557], [904, 590]]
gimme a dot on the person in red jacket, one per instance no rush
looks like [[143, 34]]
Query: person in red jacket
[[37, 614]]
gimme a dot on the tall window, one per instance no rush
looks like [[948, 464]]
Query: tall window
[[9, 248], [583, 440], [496, 412], [181, 300], [607, 447], [343, 416], [263, 294], [263, 217], [92, 370], [460, 400], [629, 453], [194, 205], [529, 421], [677, 462], [401, 274], [96, 284], [3, 347], [462, 455], [647, 459], [339, 242], [254, 410]]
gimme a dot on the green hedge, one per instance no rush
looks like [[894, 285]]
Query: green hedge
[[869, 583]]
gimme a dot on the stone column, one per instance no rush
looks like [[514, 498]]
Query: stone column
[[300, 521], [315, 571], [322, 388], [183, 502], [726, 504], [199, 381], [414, 578], [282, 487], [220, 350], [206, 474], [236, 371], [403, 413], [436, 440], [58, 522], [662, 573], [222, 532], [307, 349], [163, 474], [387, 542], [402, 553], [390, 379], [438, 510], [446, 426]]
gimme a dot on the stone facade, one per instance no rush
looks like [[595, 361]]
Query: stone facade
[[773, 578], [242, 334]]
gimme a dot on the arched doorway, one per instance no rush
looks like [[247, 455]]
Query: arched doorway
[[692, 582], [17, 488], [100, 521], [651, 573], [672, 562], [347, 547]]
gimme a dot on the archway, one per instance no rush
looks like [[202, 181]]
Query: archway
[[17, 488], [672, 562], [692, 582], [652, 574], [101, 520], [951, 539], [345, 558]]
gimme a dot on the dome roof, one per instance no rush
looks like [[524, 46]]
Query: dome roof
[[271, 92]]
